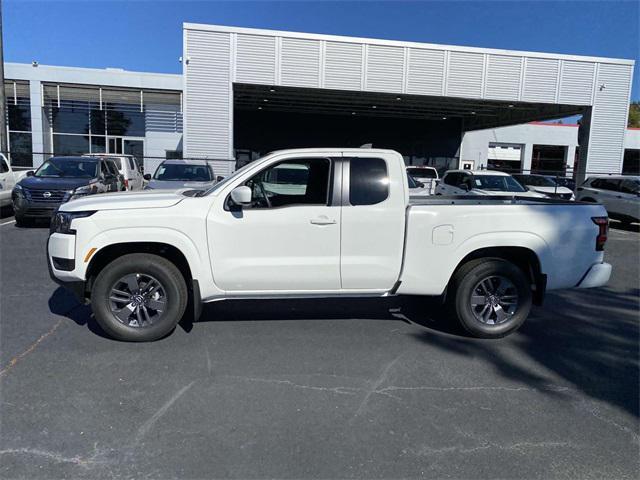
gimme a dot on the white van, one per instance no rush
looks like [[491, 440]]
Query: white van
[[127, 166]]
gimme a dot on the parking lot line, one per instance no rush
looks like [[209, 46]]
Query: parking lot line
[[8, 223]]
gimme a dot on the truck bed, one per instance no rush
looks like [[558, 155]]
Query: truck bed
[[487, 200]]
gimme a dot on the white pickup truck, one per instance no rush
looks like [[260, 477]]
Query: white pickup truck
[[343, 225], [8, 179]]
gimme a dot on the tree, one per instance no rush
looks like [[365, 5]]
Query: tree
[[634, 115]]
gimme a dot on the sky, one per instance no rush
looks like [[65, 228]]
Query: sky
[[147, 35]]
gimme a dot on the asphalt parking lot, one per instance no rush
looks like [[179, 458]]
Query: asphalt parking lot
[[318, 389]]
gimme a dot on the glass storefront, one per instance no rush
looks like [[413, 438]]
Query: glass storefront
[[19, 123]]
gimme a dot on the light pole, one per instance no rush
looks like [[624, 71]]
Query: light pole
[[3, 101]]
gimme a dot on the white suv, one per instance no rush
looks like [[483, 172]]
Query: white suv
[[620, 195], [482, 182], [127, 166]]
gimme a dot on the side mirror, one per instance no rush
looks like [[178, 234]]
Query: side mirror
[[241, 195], [147, 176], [420, 184], [30, 173], [464, 187], [219, 178]]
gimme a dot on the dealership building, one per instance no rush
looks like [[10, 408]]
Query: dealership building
[[245, 92]]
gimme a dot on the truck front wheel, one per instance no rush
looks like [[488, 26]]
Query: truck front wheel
[[139, 297], [491, 297]]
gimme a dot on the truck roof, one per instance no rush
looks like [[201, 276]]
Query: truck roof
[[334, 149]]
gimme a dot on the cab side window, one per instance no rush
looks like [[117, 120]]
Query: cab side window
[[452, 179], [368, 181], [302, 181]]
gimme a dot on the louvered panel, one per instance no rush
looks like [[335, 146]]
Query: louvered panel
[[464, 78], [385, 69], [576, 84], [425, 72], [541, 78], [17, 92], [163, 118], [300, 62], [609, 118], [208, 98], [121, 96], [503, 77], [343, 66], [74, 93], [256, 59]]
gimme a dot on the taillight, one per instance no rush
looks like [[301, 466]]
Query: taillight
[[603, 229], [126, 183]]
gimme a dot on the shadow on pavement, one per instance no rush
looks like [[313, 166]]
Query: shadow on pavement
[[63, 303], [589, 338], [627, 227]]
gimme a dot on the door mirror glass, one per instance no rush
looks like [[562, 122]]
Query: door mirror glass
[[30, 173], [241, 195], [147, 176]]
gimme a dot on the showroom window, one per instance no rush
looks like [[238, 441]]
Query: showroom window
[[19, 122]]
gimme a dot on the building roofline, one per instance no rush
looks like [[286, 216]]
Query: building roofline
[[398, 43], [93, 76]]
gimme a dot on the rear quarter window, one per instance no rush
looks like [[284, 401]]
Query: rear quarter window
[[368, 181]]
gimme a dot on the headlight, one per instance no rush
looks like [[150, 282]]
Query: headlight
[[61, 221], [85, 190], [18, 191]]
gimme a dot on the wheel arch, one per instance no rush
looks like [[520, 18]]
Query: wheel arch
[[110, 252], [523, 257]]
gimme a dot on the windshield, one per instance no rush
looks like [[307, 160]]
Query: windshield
[[69, 168], [183, 172], [223, 182], [412, 182], [535, 181], [497, 183], [422, 172]]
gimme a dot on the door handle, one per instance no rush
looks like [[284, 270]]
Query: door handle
[[322, 220]]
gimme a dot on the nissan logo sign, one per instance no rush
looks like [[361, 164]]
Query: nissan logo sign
[[46, 194]]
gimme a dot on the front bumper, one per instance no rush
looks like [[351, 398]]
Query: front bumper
[[24, 207], [64, 247], [597, 276]]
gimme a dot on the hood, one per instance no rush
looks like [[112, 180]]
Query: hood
[[124, 201], [54, 183], [171, 185], [508, 194]]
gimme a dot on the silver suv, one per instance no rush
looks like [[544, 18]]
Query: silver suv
[[620, 195]]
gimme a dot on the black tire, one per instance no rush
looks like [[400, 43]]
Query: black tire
[[161, 269], [23, 222], [463, 287]]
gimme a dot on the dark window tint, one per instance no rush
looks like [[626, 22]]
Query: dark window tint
[[630, 186], [453, 179], [368, 181], [293, 182], [20, 149], [606, 184], [4, 168]]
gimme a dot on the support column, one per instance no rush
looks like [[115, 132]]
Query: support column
[[37, 133], [584, 132], [527, 157]]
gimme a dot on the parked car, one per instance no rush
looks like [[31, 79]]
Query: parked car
[[8, 179], [177, 174], [482, 182], [567, 182], [351, 230], [416, 188], [544, 185], [57, 181], [128, 167], [428, 176], [620, 195]]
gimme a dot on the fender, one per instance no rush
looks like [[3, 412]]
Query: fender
[[430, 267], [198, 261]]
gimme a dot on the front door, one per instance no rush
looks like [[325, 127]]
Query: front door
[[288, 239]]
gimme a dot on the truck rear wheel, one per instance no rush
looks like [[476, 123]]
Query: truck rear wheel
[[139, 297], [491, 297]]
